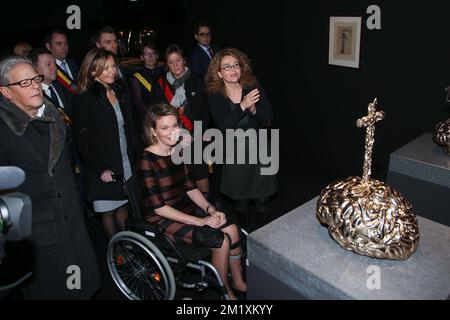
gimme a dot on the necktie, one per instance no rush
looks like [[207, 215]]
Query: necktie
[[64, 66], [211, 52], [53, 96]]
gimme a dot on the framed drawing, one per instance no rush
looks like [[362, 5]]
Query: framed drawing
[[345, 39]]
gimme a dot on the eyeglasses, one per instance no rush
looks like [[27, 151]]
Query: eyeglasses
[[206, 34], [228, 67], [27, 82]]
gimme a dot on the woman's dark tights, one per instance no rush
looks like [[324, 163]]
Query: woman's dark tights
[[114, 221]]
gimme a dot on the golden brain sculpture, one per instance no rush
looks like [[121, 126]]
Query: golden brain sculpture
[[441, 135], [370, 218]]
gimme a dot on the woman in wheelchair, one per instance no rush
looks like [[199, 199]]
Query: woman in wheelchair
[[172, 200]]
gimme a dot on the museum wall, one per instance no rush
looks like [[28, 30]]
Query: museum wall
[[405, 65]]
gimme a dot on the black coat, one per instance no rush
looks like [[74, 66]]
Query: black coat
[[197, 102], [199, 60], [243, 181], [59, 238], [65, 96], [97, 138], [142, 98]]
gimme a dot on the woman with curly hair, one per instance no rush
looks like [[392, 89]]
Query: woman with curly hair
[[237, 101]]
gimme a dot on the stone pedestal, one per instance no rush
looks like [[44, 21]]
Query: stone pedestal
[[293, 257], [420, 171]]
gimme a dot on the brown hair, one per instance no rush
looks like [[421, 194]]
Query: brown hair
[[154, 113], [200, 24], [150, 45], [214, 84], [174, 48], [93, 65]]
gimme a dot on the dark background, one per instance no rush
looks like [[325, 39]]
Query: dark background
[[405, 64]]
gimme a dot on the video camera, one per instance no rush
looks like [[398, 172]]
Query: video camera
[[15, 214]]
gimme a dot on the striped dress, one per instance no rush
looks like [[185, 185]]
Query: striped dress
[[167, 184]]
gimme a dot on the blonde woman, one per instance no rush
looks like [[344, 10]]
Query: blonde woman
[[104, 136], [173, 201]]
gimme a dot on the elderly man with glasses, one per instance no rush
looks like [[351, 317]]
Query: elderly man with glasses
[[33, 137]]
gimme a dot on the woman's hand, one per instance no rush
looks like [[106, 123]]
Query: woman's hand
[[213, 222], [219, 215], [107, 176], [250, 100]]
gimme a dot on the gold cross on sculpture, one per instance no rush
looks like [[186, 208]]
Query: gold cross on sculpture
[[369, 122]]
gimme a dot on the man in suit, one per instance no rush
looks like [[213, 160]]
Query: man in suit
[[203, 51], [45, 65], [106, 38], [67, 71]]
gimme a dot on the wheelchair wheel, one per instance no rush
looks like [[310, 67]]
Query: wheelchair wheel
[[139, 268]]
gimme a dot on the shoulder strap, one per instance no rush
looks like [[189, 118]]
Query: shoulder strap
[[166, 89], [143, 81]]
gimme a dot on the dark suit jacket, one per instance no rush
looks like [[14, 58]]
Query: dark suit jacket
[[73, 68], [199, 60], [64, 94]]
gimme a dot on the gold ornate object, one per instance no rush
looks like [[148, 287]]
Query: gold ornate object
[[367, 216], [441, 135]]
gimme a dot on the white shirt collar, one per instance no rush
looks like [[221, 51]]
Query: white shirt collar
[[40, 111]]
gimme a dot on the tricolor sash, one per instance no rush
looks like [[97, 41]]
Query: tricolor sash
[[64, 79]]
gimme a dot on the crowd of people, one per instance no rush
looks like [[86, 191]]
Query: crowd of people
[[74, 131]]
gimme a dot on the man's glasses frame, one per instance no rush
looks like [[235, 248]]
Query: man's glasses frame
[[206, 34], [27, 82]]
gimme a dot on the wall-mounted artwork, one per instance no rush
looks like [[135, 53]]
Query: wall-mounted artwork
[[345, 38]]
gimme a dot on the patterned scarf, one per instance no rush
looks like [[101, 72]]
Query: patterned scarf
[[179, 97]]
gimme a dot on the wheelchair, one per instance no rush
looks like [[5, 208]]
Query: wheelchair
[[146, 265]]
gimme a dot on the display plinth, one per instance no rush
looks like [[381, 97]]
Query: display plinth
[[420, 171], [293, 257]]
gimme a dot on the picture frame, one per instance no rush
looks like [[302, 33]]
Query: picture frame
[[345, 41]]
